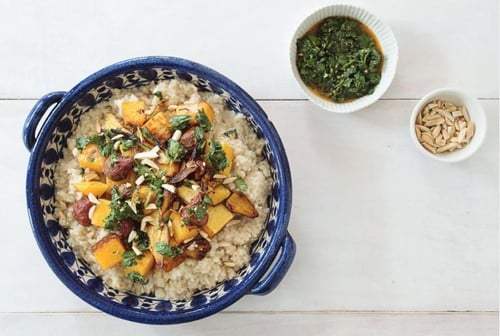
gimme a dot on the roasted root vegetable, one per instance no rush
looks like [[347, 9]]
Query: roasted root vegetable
[[170, 264], [108, 251], [180, 230], [111, 122], [102, 210], [239, 203], [88, 187], [186, 193], [133, 112], [152, 180], [197, 248], [143, 264], [157, 234], [218, 217], [195, 110], [91, 158], [219, 194], [159, 126]]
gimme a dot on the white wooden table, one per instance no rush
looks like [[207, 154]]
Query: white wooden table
[[389, 242]]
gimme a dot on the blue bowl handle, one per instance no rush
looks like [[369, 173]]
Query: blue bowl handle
[[274, 276], [36, 114]]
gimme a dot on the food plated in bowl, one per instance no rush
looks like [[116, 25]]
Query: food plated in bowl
[[343, 58], [448, 125], [159, 192]]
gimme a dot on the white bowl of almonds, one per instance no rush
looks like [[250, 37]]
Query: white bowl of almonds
[[448, 125]]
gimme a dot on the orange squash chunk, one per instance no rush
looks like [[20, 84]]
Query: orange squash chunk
[[108, 251]]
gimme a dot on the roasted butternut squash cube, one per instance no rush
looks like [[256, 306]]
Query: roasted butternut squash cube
[[108, 251], [228, 150], [193, 110], [111, 122], [239, 203], [170, 168], [181, 230], [218, 217], [91, 158], [186, 194], [143, 264], [169, 264], [219, 194], [133, 112], [95, 187], [102, 210], [145, 194], [158, 125]]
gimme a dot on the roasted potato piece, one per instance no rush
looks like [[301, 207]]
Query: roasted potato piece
[[171, 168], [169, 264], [197, 248], [158, 125], [239, 203], [218, 217], [111, 122], [108, 251], [157, 234], [133, 112]]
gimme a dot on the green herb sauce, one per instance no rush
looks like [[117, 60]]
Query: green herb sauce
[[339, 59]]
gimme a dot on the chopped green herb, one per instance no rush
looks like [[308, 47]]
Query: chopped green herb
[[203, 121], [142, 241], [167, 251], [90, 159], [199, 135], [176, 150], [231, 133], [127, 144], [119, 210], [136, 277], [199, 211], [217, 156], [339, 59], [207, 200], [240, 184], [82, 142], [129, 258], [158, 94], [180, 122]]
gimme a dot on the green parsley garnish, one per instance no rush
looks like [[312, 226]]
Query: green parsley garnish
[[129, 258], [339, 59], [136, 277], [199, 211], [240, 183], [203, 121], [231, 133], [158, 94], [199, 135], [166, 250], [180, 122], [176, 150], [119, 210], [217, 156]]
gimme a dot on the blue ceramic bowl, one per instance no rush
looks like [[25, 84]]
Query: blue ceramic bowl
[[272, 254]]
